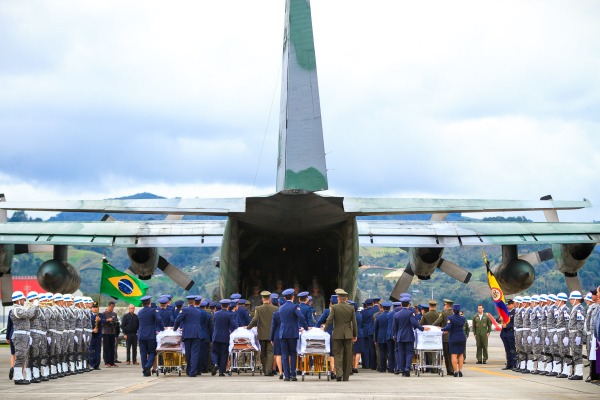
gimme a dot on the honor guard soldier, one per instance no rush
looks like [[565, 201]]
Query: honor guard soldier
[[97, 320], [526, 363], [405, 322], [561, 337], [150, 324], [534, 333], [225, 323], [380, 335], [263, 316], [552, 367], [576, 332], [46, 314], [165, 314], [543, 334], [441, 322], [37, 333], [518, 327], [345, 332], [191, 320], [507, 334], [21, 317], [291, 318]]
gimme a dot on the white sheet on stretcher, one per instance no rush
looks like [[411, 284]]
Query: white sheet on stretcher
[[314, 341], [169, 340], [429, 340], [242, 334]]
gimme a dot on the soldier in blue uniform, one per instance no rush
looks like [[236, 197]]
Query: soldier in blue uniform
[[97, 320], [306, 309], [391, 344], [224, 324], [380, 335], [405, 322], [150, 323], [165, 314], [508, 337], [191, 319], [358, 346], [291, 319], [178, 306], [243, 315], [206, 334]]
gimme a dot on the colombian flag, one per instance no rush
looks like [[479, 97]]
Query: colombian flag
[[497, 294], [120, 285]]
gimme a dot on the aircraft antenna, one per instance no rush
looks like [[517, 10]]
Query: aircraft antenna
[[266, 127]]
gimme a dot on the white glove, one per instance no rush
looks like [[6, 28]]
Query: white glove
[[555, 338], [36, 303], [529, 339], [537, 340], [30, 341], [76, 339], [578, 341], [547, 341], [566, 341], [49, 340]]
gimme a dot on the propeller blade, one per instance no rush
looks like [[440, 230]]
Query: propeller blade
[[403, 283], [453, 270], [175, 274], [6, 287], [537, 257], [550, 215], [573, 282]]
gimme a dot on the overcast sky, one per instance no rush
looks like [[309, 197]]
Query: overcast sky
[[431, 98]]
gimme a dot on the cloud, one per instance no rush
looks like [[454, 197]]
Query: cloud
[[471, 99]]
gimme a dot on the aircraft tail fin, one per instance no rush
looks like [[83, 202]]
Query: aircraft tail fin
[[301, 160]]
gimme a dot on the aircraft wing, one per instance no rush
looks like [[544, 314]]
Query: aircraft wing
[[362, 206], [117, 234], [179, 206], [453, 234]]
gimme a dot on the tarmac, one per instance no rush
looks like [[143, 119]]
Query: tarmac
[[480, 381]]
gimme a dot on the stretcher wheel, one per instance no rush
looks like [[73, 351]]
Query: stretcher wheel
[[319, 375], [328, 377], [418, 373], [253, 373], [302, 377], [179, 372]]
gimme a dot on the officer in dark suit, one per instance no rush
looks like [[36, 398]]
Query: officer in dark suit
[[97, 320], [150, 323], [405, 322], [206, 338], [507, 334], [130, 324], [381, 330], [345, 331], [263, 316], [191, 319], [291, 319], [224, 324]]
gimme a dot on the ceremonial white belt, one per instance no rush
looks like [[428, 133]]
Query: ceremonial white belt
[[55, 331], [534, 330], [543, 327], [21, 333], [79, 329], [38, 331], [526, 329], [561, 329], [87, 330], [573, 330]]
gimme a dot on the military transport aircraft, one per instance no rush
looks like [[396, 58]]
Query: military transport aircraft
[[297, 231]]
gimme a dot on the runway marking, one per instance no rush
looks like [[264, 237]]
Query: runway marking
[[133, 388], [487, 371]]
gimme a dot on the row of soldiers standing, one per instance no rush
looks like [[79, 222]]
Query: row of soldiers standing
[[549, 336], [51, 334]]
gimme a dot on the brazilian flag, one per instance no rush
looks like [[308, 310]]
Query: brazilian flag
[[121, 285]]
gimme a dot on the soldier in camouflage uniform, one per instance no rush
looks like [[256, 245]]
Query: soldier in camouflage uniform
[[576, 334], [541, 367], [551, 347], [79, 323], [518, 326], [87, 333], [50, 324], [37, 333], [60, 337], [535, 334], [21, 316], [561, 337], [70, 334], [526, 362]]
